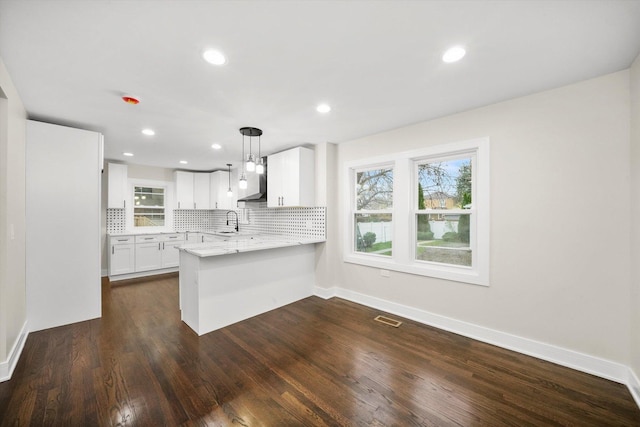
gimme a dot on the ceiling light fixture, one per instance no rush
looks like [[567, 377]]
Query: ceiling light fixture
[[242, 183], [214, 57], [148, 132], [216, 146], [128, 154], [184, 162], [454, 54], [259, 162], [323, 108], [229, 192], [250, 132]]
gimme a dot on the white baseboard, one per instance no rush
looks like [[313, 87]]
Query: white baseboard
[[7, 367], [633, 383], [572, 359]]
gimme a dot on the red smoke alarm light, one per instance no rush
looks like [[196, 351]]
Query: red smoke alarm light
[[130, 99]]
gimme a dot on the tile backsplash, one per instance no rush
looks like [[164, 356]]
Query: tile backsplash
[[294, 222]]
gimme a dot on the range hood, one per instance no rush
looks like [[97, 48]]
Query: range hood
[[256, 186]]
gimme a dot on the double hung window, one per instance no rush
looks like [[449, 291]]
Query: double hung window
[[148, 206], [422, 212]]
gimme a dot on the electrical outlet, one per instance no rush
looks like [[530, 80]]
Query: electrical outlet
[[384, 273]]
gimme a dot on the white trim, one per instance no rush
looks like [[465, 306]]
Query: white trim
[[633, 383], [325, 293], [104, 272], [403, 257], [572, 359], [142, 274], [7, 367]]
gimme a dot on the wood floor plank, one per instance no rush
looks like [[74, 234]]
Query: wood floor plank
[[312, 363]]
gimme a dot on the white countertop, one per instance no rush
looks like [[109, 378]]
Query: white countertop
[[247, 244], [212, 232]]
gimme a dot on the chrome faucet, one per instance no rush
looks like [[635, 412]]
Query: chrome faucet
[[236, 214]]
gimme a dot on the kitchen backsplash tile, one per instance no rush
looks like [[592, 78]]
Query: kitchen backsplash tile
[[116, 221], [295, 222]]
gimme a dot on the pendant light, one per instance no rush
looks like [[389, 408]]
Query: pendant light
[[259, 163], [242, 184], [229, 192], [250, 164]]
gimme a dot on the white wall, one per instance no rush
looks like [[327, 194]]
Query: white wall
[[635, 215], [63, 251], [556, 154], [12, 224]]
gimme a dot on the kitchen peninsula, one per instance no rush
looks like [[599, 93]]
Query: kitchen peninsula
[[228, 281]]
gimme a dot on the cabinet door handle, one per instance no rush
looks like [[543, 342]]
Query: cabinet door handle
[[163, 246], [124, 203], [178, 205], [113, 248], [122, 240], [158, 246], [173, 237], [148, 238], [202, 237], [194, 205]]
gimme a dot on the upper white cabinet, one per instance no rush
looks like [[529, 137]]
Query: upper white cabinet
[[201, 191], [290, 178], [192, 190], [117, 185], [184, 189], [220, 186]]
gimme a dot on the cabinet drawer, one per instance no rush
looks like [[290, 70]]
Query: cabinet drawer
[[148, 238], [121, 240], [175, 237]]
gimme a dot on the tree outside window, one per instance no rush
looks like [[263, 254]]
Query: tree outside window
[[443, 216], [373, 218]]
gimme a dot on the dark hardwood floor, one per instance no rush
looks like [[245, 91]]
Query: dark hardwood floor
[[312, 363]]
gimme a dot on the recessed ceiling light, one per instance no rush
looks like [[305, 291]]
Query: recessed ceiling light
[[216, 146], [184, 162], [323, 108], [214, 57], [128, 154], [149, 132], [454, 54]]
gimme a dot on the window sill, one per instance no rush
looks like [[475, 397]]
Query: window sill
[[453, 273]]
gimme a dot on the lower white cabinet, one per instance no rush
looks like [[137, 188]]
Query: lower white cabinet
[[192, 237], [148, 256], [170, 253], [143, 253], [121, 255]]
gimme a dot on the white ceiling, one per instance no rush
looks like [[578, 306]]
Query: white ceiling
[[377, 63]]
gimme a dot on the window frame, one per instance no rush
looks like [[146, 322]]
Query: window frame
[[405, 188], [163, 207], [356, 211], [168, 203]]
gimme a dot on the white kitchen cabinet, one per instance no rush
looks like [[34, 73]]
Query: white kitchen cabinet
[[290, 180], [117, 186], [170, 255], [191, 237], [148, 253], [219, 189], [184, 189], [201, 191], [122, 255], [193, 190]]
